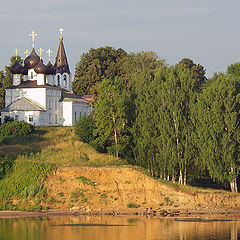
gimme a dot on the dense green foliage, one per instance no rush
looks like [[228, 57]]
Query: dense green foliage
[[6, 163], [15, 128], [6, 78], [84, 129], [171, 120], [94, 66], [218, 128], [110, 113], [25, 179]]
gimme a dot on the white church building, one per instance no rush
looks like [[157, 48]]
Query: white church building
[[42, 94]]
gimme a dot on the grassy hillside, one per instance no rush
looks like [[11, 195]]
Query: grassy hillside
[[52, 169], [57, 145], [34, 157]]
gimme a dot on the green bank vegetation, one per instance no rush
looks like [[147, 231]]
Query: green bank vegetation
[[26, 161], [170, 120]]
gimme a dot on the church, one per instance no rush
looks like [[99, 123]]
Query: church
[[42, 94]]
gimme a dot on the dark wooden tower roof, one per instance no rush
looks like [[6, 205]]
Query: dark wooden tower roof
[[61, 63]]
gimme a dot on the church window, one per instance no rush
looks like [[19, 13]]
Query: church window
[[64, 80], [31, 75], [75, 116], [50, 104], [58, 80], [56, 119], [30, 118], [17, 117], [50, 118]]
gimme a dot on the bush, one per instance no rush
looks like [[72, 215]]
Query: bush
[[25, 180], [15, 128], [6, 163], [8, 119], [84, 129]]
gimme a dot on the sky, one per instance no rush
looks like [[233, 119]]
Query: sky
[[206, 31]]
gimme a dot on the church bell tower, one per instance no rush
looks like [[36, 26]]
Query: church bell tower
[[63, 76]]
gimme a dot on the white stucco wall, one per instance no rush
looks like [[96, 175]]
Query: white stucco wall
[[38, 117], [36, 94], [79, 109], [67, 113], [40, 79], [52, 100]]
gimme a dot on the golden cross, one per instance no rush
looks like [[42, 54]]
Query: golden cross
[[61, 33], [33, 34], [26, 52], [49, 54], [16, 53], [40, 51]]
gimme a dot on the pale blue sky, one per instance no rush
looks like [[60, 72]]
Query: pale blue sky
[[207, 31]]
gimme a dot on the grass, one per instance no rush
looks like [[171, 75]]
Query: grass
[[57, 145], [194, 190], [132, 205]]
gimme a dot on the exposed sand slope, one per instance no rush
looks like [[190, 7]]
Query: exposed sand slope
[[115, 189]]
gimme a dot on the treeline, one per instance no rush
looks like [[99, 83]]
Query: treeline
[[171, 120]]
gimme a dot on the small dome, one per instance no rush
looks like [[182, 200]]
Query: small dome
[[16, 68], [25, 70], [50, 69], [40, 68], [32, 60]]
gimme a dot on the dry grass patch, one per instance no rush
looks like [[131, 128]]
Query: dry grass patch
[[59, 145]]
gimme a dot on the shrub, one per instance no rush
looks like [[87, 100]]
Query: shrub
[[84, 129], [132, 205], [15, 128], [25, 180], [6, 163], [8, 119]]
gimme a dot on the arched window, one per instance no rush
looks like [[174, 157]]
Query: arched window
[[64, 80], [58, 80]]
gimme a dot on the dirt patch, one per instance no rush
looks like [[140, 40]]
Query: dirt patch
[[111, 189]]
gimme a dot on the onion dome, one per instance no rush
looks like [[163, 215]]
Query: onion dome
[[16, 68], [25, 70], [40, 68], [50, 69], [32, 60]]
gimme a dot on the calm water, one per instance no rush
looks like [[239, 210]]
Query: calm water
[[119, 228]]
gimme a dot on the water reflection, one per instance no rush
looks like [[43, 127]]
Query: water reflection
[[119, 228]]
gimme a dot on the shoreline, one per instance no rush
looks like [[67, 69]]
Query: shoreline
[[158, 213]]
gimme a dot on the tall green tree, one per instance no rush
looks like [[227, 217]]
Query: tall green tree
[[6, 79], [2, 94], [197, 70], [163, 127], [234, 69], [94, 66], [8, 76], [111, 118], [219, 128]]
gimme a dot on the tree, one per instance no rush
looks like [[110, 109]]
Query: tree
[[84, 128], [111, 131], [8, 76], [163, 126], [197, 70], [134, 65], [6, 79], [94, 66], [2, 94], [234, 69], [219, 128]]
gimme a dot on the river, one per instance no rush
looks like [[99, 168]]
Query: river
[[118, 228]]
